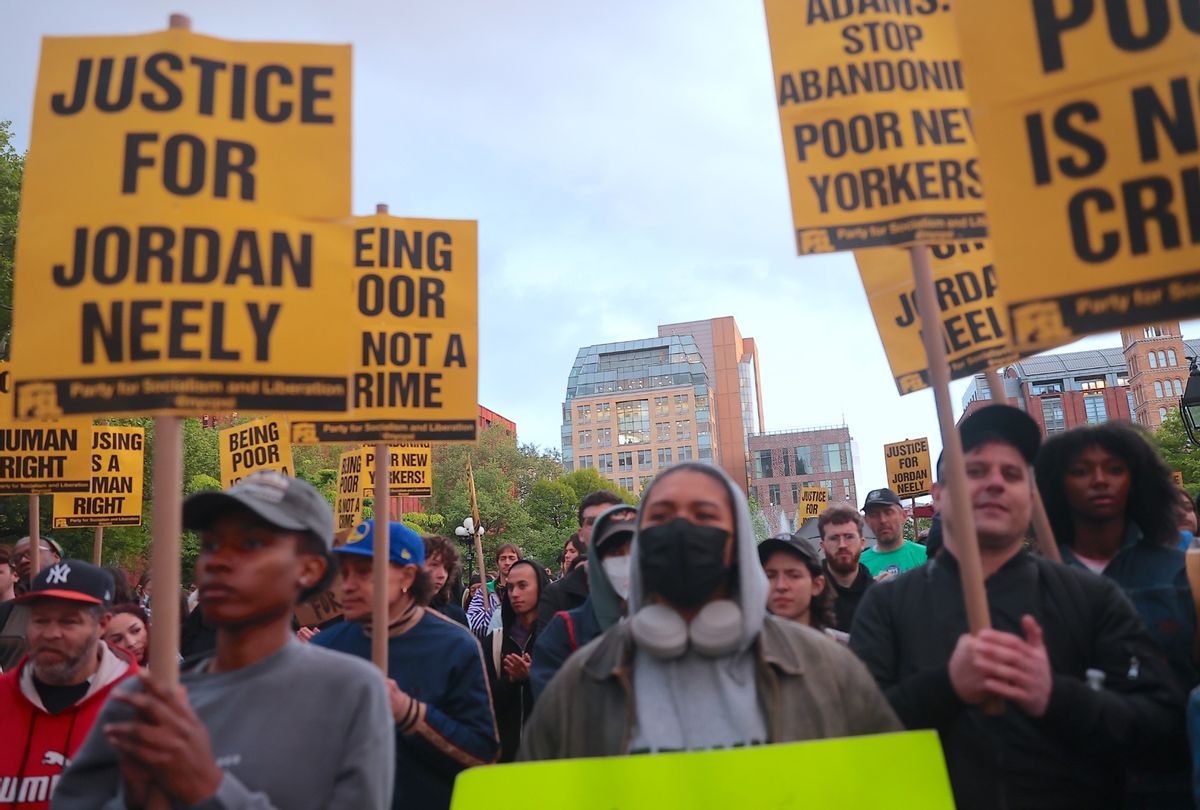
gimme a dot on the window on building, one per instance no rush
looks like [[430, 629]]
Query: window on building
[[1178, 387], [604, 463], [625, 484], [1174, 358], [681, 403], [683, 429], [1095, 409], [644, 481], [795, 493], [1153, 360], [1046, 387], [604, 437], [645, 459], [1052, 415], [787, 462], [633, 422], [661, 406], [585, 462], [662, 431], [584, 413], [827, 484], [1158, 392], [803, 460], [685, 453], [664, 456], [1090, 383], [845, 484], [1162, 359], [1122, 379], [625, 461], [762, 464], [585, 439], [603, 411], [833, 457], [1132, 408], [772, 495], [1153, 331], [1162, 415]]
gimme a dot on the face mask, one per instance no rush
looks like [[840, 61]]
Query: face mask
[[682, 562], [617, 570]]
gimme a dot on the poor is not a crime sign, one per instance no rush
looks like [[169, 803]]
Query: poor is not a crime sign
[[1086, 115], [972, 313], [415, 323], [178, 209], [348, 505], [118, 472], [44, 456], [410, 470], [908, 470], [261, 444], [875, 121]]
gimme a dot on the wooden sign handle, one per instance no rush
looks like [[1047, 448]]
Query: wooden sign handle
[[379, 569]]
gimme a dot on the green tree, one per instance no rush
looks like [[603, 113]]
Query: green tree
[[758, 520], [12, 169], [1177, 451]]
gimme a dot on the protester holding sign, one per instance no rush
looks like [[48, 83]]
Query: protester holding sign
[[892, 554], [701, 665], [439, 695], [1085, 690], [265, 544], [841, 538]]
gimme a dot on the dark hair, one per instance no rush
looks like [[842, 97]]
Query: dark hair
[[443, 548], [507, 614], [513, 547], [134, 609], [122, 593], [1153, 495], [839, 513], [573, 540], [310, 543], [821, 614], [600, 496], [422, 587], [578, 561]]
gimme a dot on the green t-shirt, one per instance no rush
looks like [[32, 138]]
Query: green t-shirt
[[908, 555]]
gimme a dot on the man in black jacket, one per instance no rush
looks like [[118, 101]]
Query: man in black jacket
[[841, 538], [1085, 692]]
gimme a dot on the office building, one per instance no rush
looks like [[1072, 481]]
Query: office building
[[782, 462]]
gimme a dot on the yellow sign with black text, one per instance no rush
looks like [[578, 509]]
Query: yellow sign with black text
[[253, 446], [38, 458], [875, 122], [813, 501], [416, 331], [118, 473], [973, 315], [411, 470], [170, 210], [348, 507], [1086, 115], [908, 469]]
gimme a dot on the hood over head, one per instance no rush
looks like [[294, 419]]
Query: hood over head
[[507, 614], [750, 586], [606, 602]]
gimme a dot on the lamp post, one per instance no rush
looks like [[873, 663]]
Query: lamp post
[[1189, 403]]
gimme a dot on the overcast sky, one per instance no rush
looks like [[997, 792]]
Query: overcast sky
[[623, 160]]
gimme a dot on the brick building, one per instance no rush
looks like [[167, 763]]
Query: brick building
[[784, 461]]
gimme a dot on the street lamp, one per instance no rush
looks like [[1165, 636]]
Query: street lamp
[[1189, 403], [467, 529]]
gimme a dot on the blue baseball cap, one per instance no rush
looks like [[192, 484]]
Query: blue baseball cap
[[405, 547]]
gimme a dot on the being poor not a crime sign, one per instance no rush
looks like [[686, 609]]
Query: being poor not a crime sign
[[178, 209], [876, 126], [908, 469], [40, 457], [258, 445], [416, 333], [1086, 115], [118, 472]]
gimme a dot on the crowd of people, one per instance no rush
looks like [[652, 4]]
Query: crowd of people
[[665, 627]]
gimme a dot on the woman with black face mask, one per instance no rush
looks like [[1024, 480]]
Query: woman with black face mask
[[699, 664]]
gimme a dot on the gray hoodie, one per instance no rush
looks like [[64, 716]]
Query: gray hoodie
[[696, 702]]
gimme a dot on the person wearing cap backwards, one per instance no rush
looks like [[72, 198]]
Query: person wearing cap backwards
[[267, 721], [892, 554], [436, 681], [51, 699], [700, 664], [610, 536], [1084, 691], [798, 589]]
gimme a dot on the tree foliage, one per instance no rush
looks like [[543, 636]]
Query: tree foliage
[[1177, 451], [12, 169]]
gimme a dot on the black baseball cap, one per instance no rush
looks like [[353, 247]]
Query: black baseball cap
[[999, 423], [73, 580], [613, 527], [284, 502], [881, 497], [793, 544]]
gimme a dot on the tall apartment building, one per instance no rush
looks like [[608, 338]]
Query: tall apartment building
[[633, 408], [1141, 381], [784, 461]]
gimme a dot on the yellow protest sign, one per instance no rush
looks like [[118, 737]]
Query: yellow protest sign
[[813, 501], [41, 457], [1086, 116], [907, 770], [411, 470], [118, 472], [348, 509], [169, 210], [908, 469], [875, 122], [973, 314], [1177, 477], [254, 446], [416, 327]]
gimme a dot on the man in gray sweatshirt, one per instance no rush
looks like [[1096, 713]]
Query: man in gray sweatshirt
[[267, 722]]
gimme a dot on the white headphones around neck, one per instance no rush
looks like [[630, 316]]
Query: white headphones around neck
[[714, 632]]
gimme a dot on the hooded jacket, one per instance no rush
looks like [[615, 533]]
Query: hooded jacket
[[36, 746], [512, 700], [801, 684], [569, 630], [847, 599]]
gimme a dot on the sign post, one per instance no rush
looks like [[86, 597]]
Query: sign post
[[379, 570], [35, 536], [477, 532]]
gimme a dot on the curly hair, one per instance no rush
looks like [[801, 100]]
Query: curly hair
[[1152, 493], [443, 548]]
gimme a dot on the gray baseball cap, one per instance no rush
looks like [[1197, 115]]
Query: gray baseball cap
[[285, 502]]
